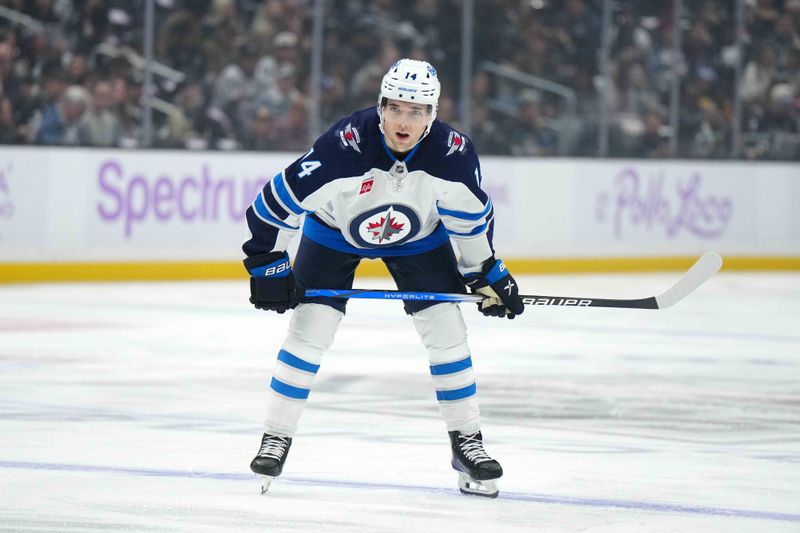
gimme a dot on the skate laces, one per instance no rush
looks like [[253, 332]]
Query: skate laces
[[472, 448], [273, 446]]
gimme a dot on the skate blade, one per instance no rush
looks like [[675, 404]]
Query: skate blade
[[486, 488], [266, 481]]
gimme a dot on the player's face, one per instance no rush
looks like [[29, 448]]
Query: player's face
[[404, 123]]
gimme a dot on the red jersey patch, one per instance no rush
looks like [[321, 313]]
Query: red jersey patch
[[366, 186]]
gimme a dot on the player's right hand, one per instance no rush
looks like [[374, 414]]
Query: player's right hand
[[272, 283], [499, 288]]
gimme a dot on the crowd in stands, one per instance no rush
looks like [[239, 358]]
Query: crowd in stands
[[235, 74]]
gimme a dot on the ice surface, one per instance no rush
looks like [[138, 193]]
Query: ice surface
[[137, 407]]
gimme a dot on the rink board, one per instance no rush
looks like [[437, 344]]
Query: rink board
[[85, 214]]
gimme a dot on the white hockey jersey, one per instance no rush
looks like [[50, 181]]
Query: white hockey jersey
[[357, 197]]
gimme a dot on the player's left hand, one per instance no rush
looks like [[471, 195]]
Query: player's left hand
[[499, 288]]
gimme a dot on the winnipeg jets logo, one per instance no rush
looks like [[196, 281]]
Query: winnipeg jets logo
[[456, 142], [386, 225], [385, 228], [349, 137]]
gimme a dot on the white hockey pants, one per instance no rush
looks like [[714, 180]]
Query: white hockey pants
[[311, 330]]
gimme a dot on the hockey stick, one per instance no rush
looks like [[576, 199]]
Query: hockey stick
[[705, 267]]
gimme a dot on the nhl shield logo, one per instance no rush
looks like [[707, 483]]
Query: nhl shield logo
[[387, 225]]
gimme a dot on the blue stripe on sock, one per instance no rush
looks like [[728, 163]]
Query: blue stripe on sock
[[288, 390], [456, 394], [295, 362], [451, 368]]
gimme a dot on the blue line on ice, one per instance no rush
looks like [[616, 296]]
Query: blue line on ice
[[514, 496]]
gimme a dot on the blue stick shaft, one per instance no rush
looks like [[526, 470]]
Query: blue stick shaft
[[527, 299], [378, 294]]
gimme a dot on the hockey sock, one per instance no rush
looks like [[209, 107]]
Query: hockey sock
[[311, 332], [444, 334]]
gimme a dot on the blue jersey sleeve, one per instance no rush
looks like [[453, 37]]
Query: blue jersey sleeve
[[465, 208], [275, 214]]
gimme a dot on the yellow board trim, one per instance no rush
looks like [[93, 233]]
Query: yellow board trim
[[217, 270]]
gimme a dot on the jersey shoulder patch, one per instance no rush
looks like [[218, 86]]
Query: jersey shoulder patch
[[349, 137], [456, 143], [449, 142], [353, 132]]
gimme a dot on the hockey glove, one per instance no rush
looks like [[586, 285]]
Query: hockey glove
[[272, 284], [499, 288]]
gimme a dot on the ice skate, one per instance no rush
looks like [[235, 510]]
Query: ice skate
[[268, 463], [477, 472]]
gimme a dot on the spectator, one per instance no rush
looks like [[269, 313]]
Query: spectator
[[77, 69], [8, 128], [577, 33], [698, 47], [226, 35], [758, 76], [762, 17], [60, 122], [126, 95], [634, 94], [261, 134], [24, 105], [784, 38], [362, 93], [187, 124], [363, 84], [237, 88], [709, 140], [7, 77], [334, 95], [284, 52], [269, 20], [665, 62], [486, 134], [781, 115], [100, 126], [448, 112], [530, 137], [280, 98], [793, 70], [181, 42], [653, 143], [292, 128]]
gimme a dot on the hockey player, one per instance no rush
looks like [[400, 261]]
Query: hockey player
[[397, 185]]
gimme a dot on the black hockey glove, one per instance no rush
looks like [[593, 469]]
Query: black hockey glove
[[272, 285], [499, 288]]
